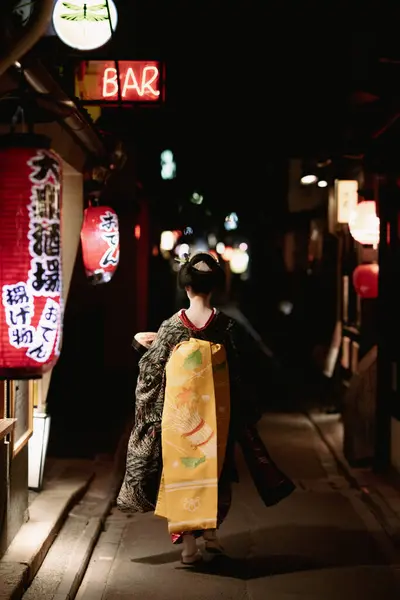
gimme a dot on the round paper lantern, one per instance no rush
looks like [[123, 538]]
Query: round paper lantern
[[84, 25], [30, 257], [365, 280], [364, 223], [100, 243]]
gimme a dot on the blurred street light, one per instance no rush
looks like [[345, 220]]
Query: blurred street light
[[167, 242], [239, 261], [231, 221], [168, 165], [308, 179], [196, 198]]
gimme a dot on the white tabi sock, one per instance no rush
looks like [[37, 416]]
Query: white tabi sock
[[189, 544]]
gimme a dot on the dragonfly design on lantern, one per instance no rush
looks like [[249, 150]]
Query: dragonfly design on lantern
[[85, 12]]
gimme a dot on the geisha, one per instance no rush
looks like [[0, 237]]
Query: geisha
[[195, 400]]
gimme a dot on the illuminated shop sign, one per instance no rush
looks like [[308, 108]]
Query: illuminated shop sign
[[140, 81], [84, 24]]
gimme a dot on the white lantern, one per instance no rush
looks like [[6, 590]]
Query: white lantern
[[364, 223], [84, 25]]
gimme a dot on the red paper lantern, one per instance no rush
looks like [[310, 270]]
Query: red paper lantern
[[365, 280], [30, 257], [100, 243], [364, 223]]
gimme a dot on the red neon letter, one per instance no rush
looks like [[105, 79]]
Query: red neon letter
[[130, 85], [147, 86], [110, 85], [149, 75]]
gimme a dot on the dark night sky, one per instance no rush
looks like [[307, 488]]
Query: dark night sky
[[247, 69], [279, 69], [248, 83], [274, 74], [243, 86]]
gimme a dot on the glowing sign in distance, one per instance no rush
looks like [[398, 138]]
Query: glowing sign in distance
[[231, 221], [196, 198], [84, 25], [168, 165]]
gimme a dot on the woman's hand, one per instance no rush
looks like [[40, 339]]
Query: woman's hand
[[145, 338]]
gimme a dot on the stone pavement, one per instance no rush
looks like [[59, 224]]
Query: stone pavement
[[381, 491], [68, 513], [65, 482], [322, 543]]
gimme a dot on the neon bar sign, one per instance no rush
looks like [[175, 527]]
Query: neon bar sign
[[140, 81]]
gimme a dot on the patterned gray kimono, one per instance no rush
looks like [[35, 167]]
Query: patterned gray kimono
[[144, 456]]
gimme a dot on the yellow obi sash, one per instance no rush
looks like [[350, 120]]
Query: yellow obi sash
[[194, 435]]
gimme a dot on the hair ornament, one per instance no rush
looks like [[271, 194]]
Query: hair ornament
[[202, 267], [183, 260]]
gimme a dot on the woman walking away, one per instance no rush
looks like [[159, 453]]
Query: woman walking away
[[195, 400]]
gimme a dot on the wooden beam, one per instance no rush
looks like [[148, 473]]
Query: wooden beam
[[6, 427]]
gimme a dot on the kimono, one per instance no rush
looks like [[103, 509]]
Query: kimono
[[140, 486]]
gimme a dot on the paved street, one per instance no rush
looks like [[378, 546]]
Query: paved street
[[322, 543]]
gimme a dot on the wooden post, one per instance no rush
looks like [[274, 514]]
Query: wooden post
[[388, 319]]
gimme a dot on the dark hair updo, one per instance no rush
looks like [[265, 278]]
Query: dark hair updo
[[202, 273]]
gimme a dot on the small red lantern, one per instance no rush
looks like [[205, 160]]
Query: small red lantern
[[100, 243], [364, 223], [30, 257], [365, 280]]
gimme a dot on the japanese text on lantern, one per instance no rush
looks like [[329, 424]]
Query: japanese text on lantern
[[44, 275], [110, 234]]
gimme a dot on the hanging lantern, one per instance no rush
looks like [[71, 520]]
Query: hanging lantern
[[365, 280], [100, 243], [30, 257], [364, 223]]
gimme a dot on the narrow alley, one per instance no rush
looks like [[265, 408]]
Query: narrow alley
[[322, 543]]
